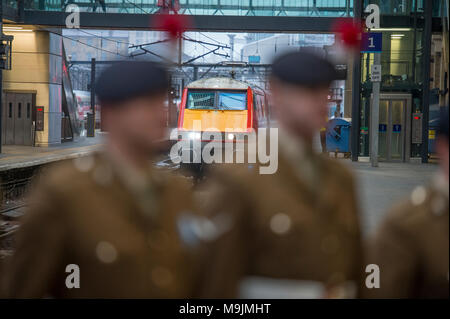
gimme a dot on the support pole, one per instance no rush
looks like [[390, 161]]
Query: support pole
[[1, 78], [428, 9], [195, 73], [356, 84], [375, 116], [91, 133]]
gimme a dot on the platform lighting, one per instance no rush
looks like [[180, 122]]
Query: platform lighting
[[16, 29], [234, 63], [391, 29]]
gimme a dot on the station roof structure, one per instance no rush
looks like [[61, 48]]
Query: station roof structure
[[206, 15], [210, 15]]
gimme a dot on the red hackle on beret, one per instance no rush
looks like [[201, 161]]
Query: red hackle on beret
[[348, 33], [174, 24]]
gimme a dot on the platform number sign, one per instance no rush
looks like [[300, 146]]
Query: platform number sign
[[371, 42]]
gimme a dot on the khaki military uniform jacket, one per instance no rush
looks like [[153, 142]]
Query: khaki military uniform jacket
[[125, 244], [411, 247], [284, 232]]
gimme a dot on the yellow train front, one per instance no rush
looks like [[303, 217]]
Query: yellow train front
[[220, 110]]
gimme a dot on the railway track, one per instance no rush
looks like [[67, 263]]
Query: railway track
[[8, 226], [13, 211], [14, 185]]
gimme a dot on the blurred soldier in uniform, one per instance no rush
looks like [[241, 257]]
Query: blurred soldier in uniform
[[295, 233], [105, 226], [411, 248]]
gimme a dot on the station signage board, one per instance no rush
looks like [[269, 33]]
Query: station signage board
[[371, 42], [396, 128], [375, 73], [254, 59]]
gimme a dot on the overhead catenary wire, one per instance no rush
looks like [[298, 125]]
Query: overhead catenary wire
[[103, 38], [78, 41], [202, 43], [212, 39]]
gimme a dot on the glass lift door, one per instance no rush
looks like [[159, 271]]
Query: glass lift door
[[392, 126], [382, 130], [397, 134]]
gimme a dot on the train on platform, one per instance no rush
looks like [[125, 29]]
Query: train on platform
[[222, 105], [217, 111], [83, 99]]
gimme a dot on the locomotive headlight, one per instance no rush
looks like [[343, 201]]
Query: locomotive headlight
[[230, 136]]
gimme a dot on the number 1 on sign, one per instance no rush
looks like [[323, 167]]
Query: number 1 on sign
[[371, 45]]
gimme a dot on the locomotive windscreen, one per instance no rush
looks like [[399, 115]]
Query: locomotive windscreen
[[232, 101], [216, 100]]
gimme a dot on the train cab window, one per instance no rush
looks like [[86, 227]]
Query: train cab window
[[201, 100], [235, 101], [216, 100]]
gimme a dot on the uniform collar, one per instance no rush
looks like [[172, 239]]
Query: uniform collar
[[293, 147], [135, 179], [300, 155]]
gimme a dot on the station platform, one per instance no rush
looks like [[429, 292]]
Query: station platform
[[379, 188], [16, 156]]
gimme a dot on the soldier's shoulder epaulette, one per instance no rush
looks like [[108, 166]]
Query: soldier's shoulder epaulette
[[173, 181], [66, 170], [419, 196], [413, 210], [429, 201], [68, 174], [235, 174], [335, 167], [56, 180]]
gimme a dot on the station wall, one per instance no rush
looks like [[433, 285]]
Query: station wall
[[37, 68]]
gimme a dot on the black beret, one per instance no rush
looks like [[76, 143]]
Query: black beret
[[443, 123], [304, 68], [128, 79]]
